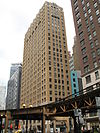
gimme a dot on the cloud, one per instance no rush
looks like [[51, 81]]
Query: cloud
[[15, 18]]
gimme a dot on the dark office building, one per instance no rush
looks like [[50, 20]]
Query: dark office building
[[13, 88], [86, 14]]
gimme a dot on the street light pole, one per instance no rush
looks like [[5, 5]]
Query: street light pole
[[30, 120], [24, 105], [26, 122], [0, 124], [43, 121]]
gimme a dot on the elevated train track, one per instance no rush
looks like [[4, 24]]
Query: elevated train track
[[86, 101]]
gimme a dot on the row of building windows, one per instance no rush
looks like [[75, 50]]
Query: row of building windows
[[88, 78], [81, 35], [89, 11], [95, 64], [85, 59], [85, 14], [53, 6]]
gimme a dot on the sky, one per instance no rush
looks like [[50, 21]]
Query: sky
[[15, 18]]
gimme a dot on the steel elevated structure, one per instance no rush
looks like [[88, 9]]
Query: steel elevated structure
[[86, 101]]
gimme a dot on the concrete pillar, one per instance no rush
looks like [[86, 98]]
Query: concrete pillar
[[6, 126], [54, 126], [67, 126], [48, 126]]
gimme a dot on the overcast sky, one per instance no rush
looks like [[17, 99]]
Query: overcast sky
[[15, 18]]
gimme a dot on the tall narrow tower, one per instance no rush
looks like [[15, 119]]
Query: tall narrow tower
[[86, 15], [13, 88], [45, 71]]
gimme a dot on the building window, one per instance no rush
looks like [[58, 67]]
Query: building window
[[94, 33], [88, 79], [95, 64], [81, 35], [59, 81], [73, 79], [50, 79], [99, 20], [76, 9], [67, 82], [90, 37], [50, 86], [75, 3], [73, 74], [86, 21], [79, 21], [93, 54], [98, 51], [86, 69], [91, 18], [78, 15], [89, 11], [59, 93], [84, 8], [82, 42], [97, 75], [62, 81], [85, 59], [48, 38], [88, 4], [49, 68], [55, 86], [83, 50], [80, 27], [92, 45], [82, 2], [96, 42], [97, 12], [50, 98], [74, 91], [49, 47], [58, 75], [92, 25], [68, 88], [55, 80], [88, 28], [63, 88], [74, 85], [85, 14], [95, 5], [49, 73]]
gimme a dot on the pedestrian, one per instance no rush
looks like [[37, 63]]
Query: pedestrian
[[11, 128], [23, 129]]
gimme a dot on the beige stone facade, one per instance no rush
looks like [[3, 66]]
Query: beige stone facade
[[45, 71]]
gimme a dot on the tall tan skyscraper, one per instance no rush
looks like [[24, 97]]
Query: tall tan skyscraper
[[45, 71], [76, 55]]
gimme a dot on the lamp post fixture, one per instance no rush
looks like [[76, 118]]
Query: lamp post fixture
[[24, 105], [31, 106]]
